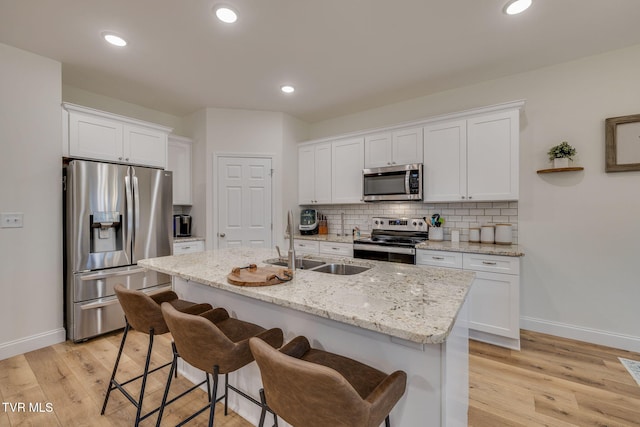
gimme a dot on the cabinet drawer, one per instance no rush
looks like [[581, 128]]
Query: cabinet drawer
[[491, 263], [307, 247], [439, 258], [340, 249], [188, 247]]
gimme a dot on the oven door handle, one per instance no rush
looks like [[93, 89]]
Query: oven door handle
[[387, 249]]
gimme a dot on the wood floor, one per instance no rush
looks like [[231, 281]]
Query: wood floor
[[551, 382]]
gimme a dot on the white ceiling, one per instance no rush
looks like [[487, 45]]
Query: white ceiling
[[342, 56]]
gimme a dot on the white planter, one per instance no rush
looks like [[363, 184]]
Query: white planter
[[561, 163]]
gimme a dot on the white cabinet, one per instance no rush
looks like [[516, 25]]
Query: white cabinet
[[188, 247], [179, 162], [475, 159], [336, 249], [306, 247], [393, 148], [314, 174], [494, 298], [104, 136], [346, 170]]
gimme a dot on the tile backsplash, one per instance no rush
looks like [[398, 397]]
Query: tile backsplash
[[458, 215]]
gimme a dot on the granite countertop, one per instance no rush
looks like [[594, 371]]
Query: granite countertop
[[476, 248], [415, 303], [187, 239], [323, 238]]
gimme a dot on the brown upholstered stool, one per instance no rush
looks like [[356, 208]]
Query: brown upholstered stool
[[314, 388], [142, 313], [216, 344]]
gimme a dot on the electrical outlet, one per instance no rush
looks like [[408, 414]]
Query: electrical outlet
[[11, 219]]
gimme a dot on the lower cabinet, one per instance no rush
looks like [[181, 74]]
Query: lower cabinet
[[315, 247], [494, 299], [188, 247]]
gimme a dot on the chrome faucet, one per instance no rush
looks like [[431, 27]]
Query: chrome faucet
[[291, 256]]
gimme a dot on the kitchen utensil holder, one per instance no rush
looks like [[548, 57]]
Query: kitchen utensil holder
[[436, 234]]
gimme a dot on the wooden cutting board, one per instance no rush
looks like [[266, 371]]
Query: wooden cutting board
[[258, 276]]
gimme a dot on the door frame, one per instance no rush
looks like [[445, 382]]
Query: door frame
[[275, 194]]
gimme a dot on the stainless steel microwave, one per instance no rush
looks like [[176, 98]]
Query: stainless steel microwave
[[392, 183]]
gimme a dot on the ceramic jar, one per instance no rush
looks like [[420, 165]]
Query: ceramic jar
[[504, 234], [436, 234], [487, 234], [474, 235]]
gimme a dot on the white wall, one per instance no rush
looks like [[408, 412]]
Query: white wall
[[78, 96], [232, 131], [31, 301], [580, 230]]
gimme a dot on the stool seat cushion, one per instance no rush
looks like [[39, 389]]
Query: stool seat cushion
[[315, 388]]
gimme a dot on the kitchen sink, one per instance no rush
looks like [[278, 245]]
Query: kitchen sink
[[341, 269], [301, 263]]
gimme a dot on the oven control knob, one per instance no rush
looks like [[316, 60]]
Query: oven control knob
[[376, 222], [420, 223], [415, 223]]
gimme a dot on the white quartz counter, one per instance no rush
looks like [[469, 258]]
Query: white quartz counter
[[476, 248], [414, 303]]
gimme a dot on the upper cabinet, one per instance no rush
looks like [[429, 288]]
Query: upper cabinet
[[474, 159], [98, 135], [346, 170], [393, 148], [314, 174], [179, 162]]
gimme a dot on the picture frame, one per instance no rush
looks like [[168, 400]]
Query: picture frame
[[622, 143]]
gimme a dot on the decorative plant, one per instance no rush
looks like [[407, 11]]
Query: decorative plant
[[561, 151]]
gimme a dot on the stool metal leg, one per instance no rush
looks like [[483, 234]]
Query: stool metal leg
[[387, 423], [226, 393], [263, 410], [166, 389], [115, 367], [214, 395], [144, 378]]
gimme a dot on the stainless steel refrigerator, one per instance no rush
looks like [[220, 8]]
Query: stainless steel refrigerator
[[114, 216]]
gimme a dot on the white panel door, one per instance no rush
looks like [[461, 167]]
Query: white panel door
[[407, 146], [244, 202], [377, 150]]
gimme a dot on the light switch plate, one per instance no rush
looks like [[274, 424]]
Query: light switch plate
[[11, 219]]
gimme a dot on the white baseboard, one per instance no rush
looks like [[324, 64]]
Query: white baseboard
[[33, 342], [594, 336]]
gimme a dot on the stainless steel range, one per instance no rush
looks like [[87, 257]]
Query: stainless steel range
[[392, 239]]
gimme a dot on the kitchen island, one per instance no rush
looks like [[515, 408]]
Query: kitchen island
[[392, 316]]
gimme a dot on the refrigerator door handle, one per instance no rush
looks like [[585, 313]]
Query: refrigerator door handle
[[103, 275], [129, 230], [94, 305], [136, 203]]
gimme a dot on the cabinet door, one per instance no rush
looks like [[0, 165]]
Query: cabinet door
[[145, 146], [306, 175], [445, 162], [377, 150], [188, 247], [308, 247], [336, 249], [179, 162], [494, 304], [95, 137], [347, 164], [322, 174], [492, 156], [407, 146]]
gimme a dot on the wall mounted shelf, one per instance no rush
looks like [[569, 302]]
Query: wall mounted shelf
[[571, 169]]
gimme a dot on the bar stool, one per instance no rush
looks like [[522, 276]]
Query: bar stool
[[216, 344], [142, 313], [314, 388]]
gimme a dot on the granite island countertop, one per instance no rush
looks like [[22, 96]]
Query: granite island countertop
[[415, 303], [476, 248]]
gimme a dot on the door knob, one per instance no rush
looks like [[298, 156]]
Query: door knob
[[221, 234]]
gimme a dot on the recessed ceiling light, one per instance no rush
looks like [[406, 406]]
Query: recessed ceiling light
[[226, 14], [287, 89], [514, 7], [114, 39]]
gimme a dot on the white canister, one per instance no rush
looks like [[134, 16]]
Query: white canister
[[436, 234], [504, 234], [474, 235], [487, 234], [455, 235]]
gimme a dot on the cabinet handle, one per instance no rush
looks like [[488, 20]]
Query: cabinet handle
[[184, 248], [388, 163], [119, 158], [462, 197], [470, 197], [437, 257], [489, 262], [221, 234], [393, 163], [336, 249]]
